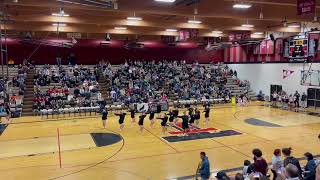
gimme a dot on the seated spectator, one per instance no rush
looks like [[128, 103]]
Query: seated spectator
[[310, 168], [247, 168], [291, 173], [222, 176]]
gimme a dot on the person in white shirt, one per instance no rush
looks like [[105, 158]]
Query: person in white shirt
[[276, 163], [274, 99]]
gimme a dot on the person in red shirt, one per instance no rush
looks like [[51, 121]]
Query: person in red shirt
[[260, 165]]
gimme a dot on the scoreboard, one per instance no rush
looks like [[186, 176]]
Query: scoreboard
[[298, 49]]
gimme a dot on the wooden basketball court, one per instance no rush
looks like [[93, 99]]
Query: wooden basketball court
[[29, 146]]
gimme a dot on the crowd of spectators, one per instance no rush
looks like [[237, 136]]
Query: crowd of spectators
[[59, 87], [283, 166], [289, 101], [150, 81], [12, 88]]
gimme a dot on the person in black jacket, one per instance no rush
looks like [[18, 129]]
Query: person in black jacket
[[291, 160], [104, 117], [310, 168], [122, 116], [185, 122], [206, 114], [164, 119], [141, 121]]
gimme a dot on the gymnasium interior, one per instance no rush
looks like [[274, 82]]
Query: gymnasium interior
[[159, 89]]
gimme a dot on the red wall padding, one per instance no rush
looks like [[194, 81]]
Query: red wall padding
[[90, 52]]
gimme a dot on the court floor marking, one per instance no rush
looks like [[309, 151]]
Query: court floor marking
[[236, 118], [95, 164], [162, 140], [132, 158]]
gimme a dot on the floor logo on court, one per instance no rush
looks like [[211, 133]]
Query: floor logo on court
[[196, 133]]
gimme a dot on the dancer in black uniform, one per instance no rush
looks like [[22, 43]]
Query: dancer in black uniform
[[192, 119], [190, 111], [206, 114], [171, 117], [141, 121], [197, 114], [164, 119], [151, 118], [121, 115], [132, 114], [176, 114], [104, 117], [185, 122]]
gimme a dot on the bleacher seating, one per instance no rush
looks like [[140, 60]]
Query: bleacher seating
[[65, 89]]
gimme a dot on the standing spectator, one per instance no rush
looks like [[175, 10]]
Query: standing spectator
[[304, 100], [274, 99], [204, 169], [276, 163], [290, 159], [297, 98], [260, 164]]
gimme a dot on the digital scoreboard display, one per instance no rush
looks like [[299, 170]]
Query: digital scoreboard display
[[298, 50]]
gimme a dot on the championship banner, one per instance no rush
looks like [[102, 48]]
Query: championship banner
[[286, 73], [306, 7], [186, 34], [238, 36]]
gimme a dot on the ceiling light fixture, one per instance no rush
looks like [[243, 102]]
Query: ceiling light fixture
[[194, 22], [59, 24], [120, 28], [134, 17], [167, 1], [217, 32], [171, 30], [258, 33], [61, 13], [242, 6], [247, 25], [294, 26]]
